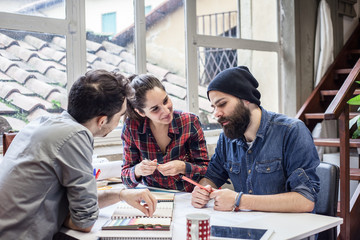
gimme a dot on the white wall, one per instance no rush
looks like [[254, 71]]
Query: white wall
[[351, 23]]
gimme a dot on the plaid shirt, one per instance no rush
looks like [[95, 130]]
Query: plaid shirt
[[187, 144]]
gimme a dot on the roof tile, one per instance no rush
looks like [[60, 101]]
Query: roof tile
[[35, 42], [57, 75], [40, 65], [59, 97], [5, 64], [4, 77], [127, 67], [59, 41], [23, 102], [113, 48], [40, 87], [91, 58], [22, 53], [8, 55], [6, 41], [128, 57], [174, 79], [19, 74], [6, 90], [94, 47], [158, 72], [103, 65], [23, 90], [174, 90], [16, 124], [4, 109], [109, 58], [56, 55], [44, 78]]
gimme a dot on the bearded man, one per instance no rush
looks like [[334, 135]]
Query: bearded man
[[270, 158]]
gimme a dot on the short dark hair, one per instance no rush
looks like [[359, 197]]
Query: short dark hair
[[98, 93], [141, 84]]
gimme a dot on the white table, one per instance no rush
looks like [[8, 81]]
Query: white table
[[284, 225]]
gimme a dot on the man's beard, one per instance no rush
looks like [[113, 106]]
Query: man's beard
[[238, 121]]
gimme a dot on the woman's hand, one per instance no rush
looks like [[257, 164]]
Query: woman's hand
[[172, 168], [145, 168]]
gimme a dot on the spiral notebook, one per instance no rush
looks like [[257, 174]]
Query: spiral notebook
[[128, 222], [126, 217]]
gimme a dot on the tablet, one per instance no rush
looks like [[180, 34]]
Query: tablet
[[226, 232]]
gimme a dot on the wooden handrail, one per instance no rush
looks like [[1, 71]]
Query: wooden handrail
[[346, 91], [311, 104]]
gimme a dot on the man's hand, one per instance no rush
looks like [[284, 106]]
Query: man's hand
[[200, 197], [141, 199], [145, 168], [172, 168], [224, 199]]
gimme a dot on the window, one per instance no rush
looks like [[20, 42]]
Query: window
[[230, 33], [47, 9], [40, 56], [109, 23]]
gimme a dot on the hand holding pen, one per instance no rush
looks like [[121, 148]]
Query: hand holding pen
[[145, 167]]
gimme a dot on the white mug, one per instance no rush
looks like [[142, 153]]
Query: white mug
[[197, 226]]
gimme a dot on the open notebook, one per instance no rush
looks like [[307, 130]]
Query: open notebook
[[128, 222]]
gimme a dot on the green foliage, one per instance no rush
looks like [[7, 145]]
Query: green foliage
[[356, 120], [22, 116], [56, 104]]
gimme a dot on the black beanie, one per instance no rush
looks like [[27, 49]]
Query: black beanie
[[237, 81]]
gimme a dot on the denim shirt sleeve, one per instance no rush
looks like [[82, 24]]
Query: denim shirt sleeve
[[216, 171], [301, 161]]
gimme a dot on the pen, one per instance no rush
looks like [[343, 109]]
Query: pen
[[97, 174], [195, 183]]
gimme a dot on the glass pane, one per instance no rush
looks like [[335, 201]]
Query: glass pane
[[165, 49], [32, 77], [263, 65], [50, 9], [216, 18], [259, 20]]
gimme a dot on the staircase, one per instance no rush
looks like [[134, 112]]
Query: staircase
[[328, 101]]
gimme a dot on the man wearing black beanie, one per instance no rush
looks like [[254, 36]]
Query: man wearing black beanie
[[269, 157]]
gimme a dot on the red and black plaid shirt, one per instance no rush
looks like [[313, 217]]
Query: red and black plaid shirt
[[187, 144]]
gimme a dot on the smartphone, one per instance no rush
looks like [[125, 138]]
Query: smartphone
[[223, 232]]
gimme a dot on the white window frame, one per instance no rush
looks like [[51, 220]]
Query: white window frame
[[72, 27], [286, 69]]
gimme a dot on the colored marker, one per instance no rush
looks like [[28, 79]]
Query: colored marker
[[97, 174], [195, 183]]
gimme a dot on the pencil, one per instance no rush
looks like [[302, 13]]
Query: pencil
[[195, 183]]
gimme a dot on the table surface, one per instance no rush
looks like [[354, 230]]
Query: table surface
[[283, 225]]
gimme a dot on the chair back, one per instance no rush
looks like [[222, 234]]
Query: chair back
[[328, 195], [7, 139]]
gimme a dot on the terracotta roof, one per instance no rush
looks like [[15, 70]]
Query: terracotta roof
[[33, 75], [127, 35]]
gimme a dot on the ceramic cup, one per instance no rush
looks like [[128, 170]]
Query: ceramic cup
[[197, 226]]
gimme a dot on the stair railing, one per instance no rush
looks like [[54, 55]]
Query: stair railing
[[339, 109]]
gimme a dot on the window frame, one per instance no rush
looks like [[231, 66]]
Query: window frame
[[286, 70], [73, 27]]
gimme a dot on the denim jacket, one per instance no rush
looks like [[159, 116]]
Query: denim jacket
[[282, 158]]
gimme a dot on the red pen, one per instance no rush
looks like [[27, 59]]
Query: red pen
[[195, 183], [97, 173]]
